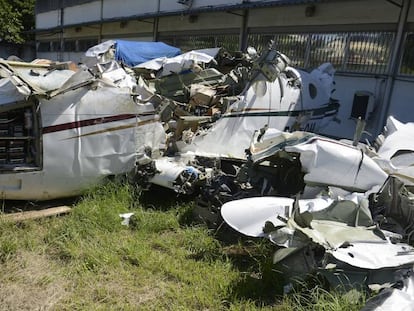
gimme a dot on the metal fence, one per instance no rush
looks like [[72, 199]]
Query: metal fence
[[355, 52], [362, 52], [407, 63], [194, 42]]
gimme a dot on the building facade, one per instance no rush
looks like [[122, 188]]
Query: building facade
[[369, 42]]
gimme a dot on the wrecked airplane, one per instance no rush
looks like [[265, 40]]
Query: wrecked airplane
[[63, 128], [270, 93], [244, 141], [322, 235], [274, 95], [351, 223]]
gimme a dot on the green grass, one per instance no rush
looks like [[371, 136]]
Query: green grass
[[87, 260]]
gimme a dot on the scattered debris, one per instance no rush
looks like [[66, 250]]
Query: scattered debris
[[240, 132], [126, 217], [351, 223]]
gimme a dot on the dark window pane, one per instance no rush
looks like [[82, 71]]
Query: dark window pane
[[69, 46], [43, 47], [85, 44], [55, 46]]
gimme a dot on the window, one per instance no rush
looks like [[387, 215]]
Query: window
[[85, 44], [43, 46], [55, 46], [69, 46]]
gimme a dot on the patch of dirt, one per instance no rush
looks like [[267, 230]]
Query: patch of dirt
[[30, 281]]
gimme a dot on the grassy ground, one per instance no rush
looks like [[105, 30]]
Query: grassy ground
[[87, 260]]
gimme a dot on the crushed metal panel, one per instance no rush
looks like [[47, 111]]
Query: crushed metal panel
[[393, 207], [374, 254], [276, 96], [86, 133], [331, 162], [249, 216], [399, 297], [181, 62], [340, 245], [324, 161], [396, 151]]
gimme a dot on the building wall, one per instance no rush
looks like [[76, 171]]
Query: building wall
[[343, 13], [204, 22], [83, 13], [48, 19], [349, 12], [127, 29]]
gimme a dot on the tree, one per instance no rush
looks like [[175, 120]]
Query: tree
[[16, 18]]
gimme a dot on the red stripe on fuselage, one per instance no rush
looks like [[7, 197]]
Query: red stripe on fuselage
[[88, 122]]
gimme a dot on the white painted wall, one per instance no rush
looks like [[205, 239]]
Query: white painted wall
[[82, 13], [402, 101], [115, 8], [48, 19], [346, 87]]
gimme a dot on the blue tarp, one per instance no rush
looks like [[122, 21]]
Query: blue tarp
[[133, 53]]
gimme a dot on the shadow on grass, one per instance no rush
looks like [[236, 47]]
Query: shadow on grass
[[253, 258], [260, 281], [161, 198]]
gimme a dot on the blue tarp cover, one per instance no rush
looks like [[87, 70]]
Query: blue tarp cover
[[133, 53]]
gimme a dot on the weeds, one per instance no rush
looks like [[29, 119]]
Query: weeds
[[87, 260]]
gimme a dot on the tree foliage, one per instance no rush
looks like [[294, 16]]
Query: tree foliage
[[16, 17]]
